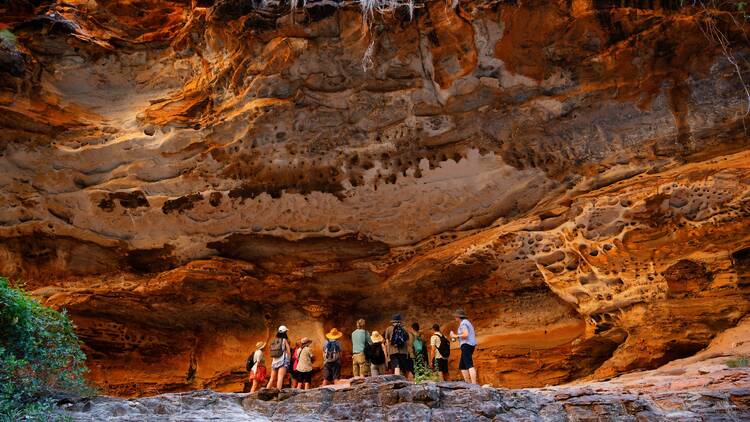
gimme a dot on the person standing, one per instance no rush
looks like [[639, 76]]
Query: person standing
[[304, 364], [397, 344], [258, 368], [293, 364], [419, 346], [440, 350], [332, 359], [281, 353], [360, 341], [377, 354], [468, 341]]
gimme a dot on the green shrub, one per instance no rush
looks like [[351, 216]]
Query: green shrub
[[423, 372], [739, 362], [40, 356], [7, 38]]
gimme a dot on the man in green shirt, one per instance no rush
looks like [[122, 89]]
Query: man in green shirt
[[360, 340]]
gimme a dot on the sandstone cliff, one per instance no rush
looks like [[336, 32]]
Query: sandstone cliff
[[180, 177]]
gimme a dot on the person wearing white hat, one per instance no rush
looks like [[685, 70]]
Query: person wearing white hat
[[281, 353]]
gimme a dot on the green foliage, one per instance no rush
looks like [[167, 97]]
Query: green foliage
[[40, 355], [423, 372], [740, 362], [7, 38]]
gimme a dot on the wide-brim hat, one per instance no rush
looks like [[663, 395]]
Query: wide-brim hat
[[334, 334], [459, 313], [305, 341], [376, 337], [260, 344], [283, 329], [396, 317]]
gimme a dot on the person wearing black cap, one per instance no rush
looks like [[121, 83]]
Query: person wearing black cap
[[397, 341]]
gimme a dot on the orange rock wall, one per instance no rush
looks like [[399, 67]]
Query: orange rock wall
[[184, 178]]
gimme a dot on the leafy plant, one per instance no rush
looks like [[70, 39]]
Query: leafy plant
[[739, 362], [423, 372], [7, 38], [40, 356]]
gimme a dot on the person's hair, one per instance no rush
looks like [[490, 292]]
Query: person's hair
[[279, 334], [360, 323], [415, 326], [436, 327]]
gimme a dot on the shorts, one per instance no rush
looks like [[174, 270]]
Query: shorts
[[441, 365], [331, 371], [401, 361], [467, 350], [304, 377], [282, 363], [295, 375], [259, 374]]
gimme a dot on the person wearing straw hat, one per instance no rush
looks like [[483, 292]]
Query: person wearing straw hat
[[377, 354], [258, 370], [332, 357], [467, 339], [304, 364]]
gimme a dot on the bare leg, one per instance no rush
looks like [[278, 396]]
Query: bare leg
[[272, 378], [307, 386], [397, 371], [254, 387], [282, 375], [473, 375], [465, 373]]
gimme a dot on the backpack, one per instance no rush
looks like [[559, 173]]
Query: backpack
[[250, 362], [368, 352], [377, 356], [277, 347], [399, 336], [333, 352], [444, 347], [418, 345]]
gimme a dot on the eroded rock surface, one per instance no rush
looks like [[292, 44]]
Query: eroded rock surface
[[183, 177]]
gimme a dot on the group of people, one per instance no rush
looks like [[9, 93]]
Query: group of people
[[399, 349]]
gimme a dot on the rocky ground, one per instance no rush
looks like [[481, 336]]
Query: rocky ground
[[700, 388], [716, 394]]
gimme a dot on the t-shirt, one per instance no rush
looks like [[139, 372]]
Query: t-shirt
[[403, 349], [465, 326], [360, 338], [258, 358], [435, 342], [304, 364]]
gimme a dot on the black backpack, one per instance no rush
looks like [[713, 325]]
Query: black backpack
[[332, 352], [377, 356], [250, 362], [399, 336], [444, 347]]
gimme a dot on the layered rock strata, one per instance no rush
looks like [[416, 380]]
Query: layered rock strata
[[183, 178]]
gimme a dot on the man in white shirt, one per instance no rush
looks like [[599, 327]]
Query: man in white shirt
[[437, 360]]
